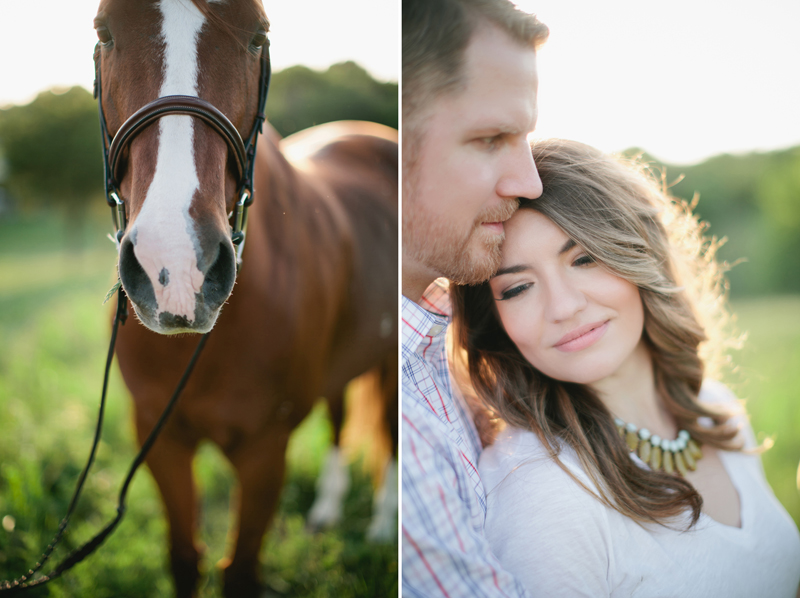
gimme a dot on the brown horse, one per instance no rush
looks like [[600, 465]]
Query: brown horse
[[314, 304]]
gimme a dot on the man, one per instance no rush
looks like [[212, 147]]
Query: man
[[469, 103]]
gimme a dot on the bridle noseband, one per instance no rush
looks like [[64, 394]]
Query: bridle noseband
[[244, 153]]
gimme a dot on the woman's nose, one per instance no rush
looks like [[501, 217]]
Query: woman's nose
[[521, 178], [564, 299]]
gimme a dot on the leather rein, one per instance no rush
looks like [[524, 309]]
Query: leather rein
[[244, 153]]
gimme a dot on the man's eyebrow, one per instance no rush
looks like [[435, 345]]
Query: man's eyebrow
[[567, 246], [495, 129], [511, 270]]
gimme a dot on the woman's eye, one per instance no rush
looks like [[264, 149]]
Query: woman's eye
[[103, 34], [514, 291], [583, 260]]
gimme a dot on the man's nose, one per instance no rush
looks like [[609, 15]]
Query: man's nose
[[521, 178]]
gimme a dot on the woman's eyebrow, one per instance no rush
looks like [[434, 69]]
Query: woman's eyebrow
[[522, 267], [511, 270], [567, 246]]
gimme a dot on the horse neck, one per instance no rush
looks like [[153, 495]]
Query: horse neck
[[293, 205], [299, 250]]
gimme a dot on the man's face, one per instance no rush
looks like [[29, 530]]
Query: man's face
[[472, 161]]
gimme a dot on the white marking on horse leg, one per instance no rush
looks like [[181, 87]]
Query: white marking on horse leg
[[383, 527], [165, 235], [332, 485]]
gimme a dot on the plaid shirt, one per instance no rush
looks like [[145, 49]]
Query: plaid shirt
[[445, 552]]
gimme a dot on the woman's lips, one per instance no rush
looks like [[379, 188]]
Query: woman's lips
[[582, 337]]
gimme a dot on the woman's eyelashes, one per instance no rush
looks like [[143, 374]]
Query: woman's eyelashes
[[514, 291], [583, 260]]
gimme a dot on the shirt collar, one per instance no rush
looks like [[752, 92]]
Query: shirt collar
[[427, 320]]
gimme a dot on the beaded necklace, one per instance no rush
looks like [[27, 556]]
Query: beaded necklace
[[671, 456]]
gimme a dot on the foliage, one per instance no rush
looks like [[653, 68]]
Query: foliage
[[767, 379], [300, 97], [55, 333], [752, 200], [52, 147]]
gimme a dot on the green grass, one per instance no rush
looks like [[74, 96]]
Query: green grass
[[54, 334], [768, 378]]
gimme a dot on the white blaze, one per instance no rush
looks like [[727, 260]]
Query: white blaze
[[165, 237]]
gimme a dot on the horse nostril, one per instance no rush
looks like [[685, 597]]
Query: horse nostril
[[220, 277], [134, 279]]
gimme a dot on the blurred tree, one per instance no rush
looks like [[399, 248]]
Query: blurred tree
[[778, 191], [53, 154], [300, 97], [52, 147], [752, 200], [778, 196]]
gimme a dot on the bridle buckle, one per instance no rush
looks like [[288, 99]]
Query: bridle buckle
[[119, 216], [240, 222]]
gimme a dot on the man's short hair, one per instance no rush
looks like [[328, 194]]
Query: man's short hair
[[436, 34]]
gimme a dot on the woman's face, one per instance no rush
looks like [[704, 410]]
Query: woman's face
[[572, 319]]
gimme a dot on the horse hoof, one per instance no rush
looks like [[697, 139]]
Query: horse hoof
[[186, 575], [242, 583]]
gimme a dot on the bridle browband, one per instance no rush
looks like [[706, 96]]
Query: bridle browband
[[244, 153]]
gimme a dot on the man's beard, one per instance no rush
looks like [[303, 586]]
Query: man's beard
[[469, 258]]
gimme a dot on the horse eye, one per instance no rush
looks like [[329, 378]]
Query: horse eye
[[260, 39], [103, 34]]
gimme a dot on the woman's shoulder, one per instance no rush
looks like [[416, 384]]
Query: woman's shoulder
[[543, 525], [519, 465]]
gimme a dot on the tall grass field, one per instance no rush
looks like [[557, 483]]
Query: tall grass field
[[54, 334]]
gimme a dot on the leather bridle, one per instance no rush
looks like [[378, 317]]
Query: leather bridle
[[244, 154]]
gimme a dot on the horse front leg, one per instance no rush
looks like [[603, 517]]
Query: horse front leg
[[170, 462], [260, 465]]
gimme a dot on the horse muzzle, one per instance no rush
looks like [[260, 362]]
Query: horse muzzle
[[173, 292]]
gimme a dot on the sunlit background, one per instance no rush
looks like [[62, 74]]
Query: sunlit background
[[49, 43], [683, 79]]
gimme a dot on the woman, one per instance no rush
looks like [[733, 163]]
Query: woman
[[621, 472]]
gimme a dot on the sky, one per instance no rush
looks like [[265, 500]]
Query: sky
[[684, 79], [47, 43]]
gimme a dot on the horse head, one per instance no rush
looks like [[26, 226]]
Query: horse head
[[181, 83]]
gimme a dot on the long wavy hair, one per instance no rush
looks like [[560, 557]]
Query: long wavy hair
[[625, 219]]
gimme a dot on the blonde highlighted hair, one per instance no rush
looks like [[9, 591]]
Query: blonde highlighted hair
[[624, 219]]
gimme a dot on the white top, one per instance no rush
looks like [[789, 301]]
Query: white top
[[559, 540]]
